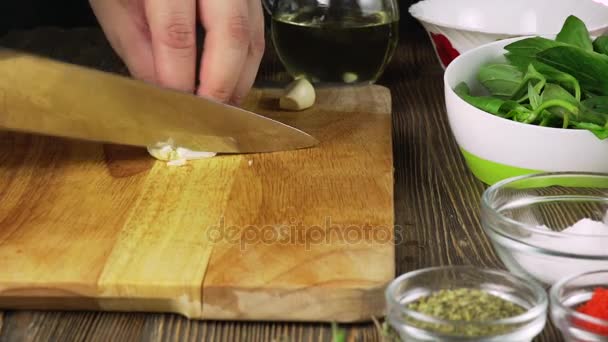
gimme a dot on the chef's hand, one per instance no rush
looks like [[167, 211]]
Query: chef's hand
[[157, 41]]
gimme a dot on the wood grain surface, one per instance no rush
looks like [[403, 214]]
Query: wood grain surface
[[436, 204], [304, 235]]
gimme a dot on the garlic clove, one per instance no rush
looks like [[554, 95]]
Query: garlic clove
[[299, 95], [350, 77]]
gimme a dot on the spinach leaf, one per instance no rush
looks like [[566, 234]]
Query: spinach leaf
[[599, 131], [595, 110], [485, 103], [550, 120], [591, 112], [516, 111], [574, 32], [536, 101], [534, 96], [521, 62], [588, 94], [590, 68], [558, 101], [600, 45], [531, 46], [492, 105], [555, 92], [597, 104], [563, 79], [531, 76], [522, 52], [501, 80]]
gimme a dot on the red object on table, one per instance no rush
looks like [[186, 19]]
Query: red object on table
[[596, 307], [444, 48]]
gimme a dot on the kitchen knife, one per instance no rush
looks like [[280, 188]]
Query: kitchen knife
[[39, 95]]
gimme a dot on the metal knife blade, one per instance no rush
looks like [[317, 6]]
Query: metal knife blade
[[39, 95]]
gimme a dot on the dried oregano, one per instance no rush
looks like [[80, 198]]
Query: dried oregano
[[464, 305]]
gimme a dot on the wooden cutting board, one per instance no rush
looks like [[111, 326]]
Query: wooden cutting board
[[300, 235]]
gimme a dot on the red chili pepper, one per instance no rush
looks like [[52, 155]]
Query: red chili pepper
[[596, 307], [444, 48]]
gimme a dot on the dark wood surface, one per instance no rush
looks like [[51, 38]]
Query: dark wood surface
[[436, 202]]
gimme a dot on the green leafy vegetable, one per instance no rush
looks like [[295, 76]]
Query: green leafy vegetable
[[560, 102], [556, 83], [595, 111], [337, 334], [533, 77], [529, 47], [497, 106], [600, 45], [574, 32], [553, 75], [486, 103], [599, 131], [523, 52], [598, 104], [535, 98], [590, 68], [500, 79]]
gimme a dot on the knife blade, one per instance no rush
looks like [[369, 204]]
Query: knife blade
[[43, 96]]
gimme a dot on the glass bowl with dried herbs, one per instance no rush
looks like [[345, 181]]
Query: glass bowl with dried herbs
[[465, 303], [549, 226], [579, 306]]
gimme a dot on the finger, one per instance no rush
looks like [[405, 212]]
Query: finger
[[254, 53], [227, 39], [127, 32], [172, 26]]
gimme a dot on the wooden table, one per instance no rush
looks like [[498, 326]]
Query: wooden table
[[436, 203]]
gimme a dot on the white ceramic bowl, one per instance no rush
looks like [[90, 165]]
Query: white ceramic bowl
[[496, 148], [456, 26]]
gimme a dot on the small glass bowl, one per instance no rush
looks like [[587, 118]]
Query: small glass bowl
[[566, 295], [414, 285], [524, 218]]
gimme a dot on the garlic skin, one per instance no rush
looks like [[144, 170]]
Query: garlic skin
[[299, 95], [166, 151]]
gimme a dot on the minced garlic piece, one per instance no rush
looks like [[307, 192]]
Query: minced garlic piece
[[179, 156]]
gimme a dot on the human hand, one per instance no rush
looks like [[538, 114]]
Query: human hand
[[157, 41]]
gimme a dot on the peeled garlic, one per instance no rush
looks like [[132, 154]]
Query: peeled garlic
[[350, 77], [192, 155], [299, 95], [162, 151], [179, 156]]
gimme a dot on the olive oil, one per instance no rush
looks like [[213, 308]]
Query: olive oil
[[347, 49]]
